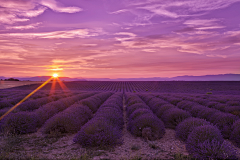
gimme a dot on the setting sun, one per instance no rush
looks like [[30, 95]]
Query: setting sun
[[55, 75]]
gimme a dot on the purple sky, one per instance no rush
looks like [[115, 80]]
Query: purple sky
[[119, 39]]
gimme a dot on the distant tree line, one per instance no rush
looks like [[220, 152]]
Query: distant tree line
[[10, 79]]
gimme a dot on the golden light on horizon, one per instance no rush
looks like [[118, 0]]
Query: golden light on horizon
[[55, 75]]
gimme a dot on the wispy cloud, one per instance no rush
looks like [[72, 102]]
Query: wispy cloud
[[77, 33], [10, 57], [179, 8], [30, 26], [120, 11], [12, 11], [158, 10], [10, 18], [18, 4], [33, 13], [201, 22], [56, 6], [201, 44]]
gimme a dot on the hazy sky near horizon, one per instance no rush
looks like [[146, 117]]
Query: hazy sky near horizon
[[119, 39]]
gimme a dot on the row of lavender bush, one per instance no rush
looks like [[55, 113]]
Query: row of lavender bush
[[229, 124], [74, 117], [28, 122], [32, 104], [13, 99], [224, 121], [207, 107], [229, 104], [141, 120], [225, 103], [205, 142], [105, 128], [35, 101], [231, 88], [168, 113]]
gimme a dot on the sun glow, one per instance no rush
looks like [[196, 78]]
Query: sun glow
[[55, 75]]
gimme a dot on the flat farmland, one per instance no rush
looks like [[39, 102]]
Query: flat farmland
[[122, 120], [11, 84]]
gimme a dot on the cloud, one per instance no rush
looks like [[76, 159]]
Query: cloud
[[222, 56], [77, 33], [58, 8], [150, 50], [18, 4], [30, 26], [179, 8], [12, 56], [9, 18], [201, 22], [159, 11], [201, 43], [12, 11], [33, 13], [119, 11], [210, 27], [233, 33]]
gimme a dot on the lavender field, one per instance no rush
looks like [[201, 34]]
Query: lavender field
[[122, 120]]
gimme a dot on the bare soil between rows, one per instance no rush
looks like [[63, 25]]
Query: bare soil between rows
[[36, 146]]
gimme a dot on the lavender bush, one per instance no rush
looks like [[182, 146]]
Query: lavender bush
[[235, 135], [147, 126], [105, 128], [233, 110], [146, 97], [155, 103], [132, 108], [184, 128], [186, 105], [163, 108], [220, 107], [4, 110], [91, 103], [113, 115], [98, 132], [172, 117], [233, 103], [139, 112], [206, 142], [196, 109], [38, 117], [31, 105], [174, 100], [5, 103], [19, 123], [224, 122], [206, 113], [69, 121]]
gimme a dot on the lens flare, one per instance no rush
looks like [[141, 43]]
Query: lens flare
[[11, 109]]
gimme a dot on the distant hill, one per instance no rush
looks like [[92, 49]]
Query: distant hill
[[45, 78], [220, 77], [1, 77]]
